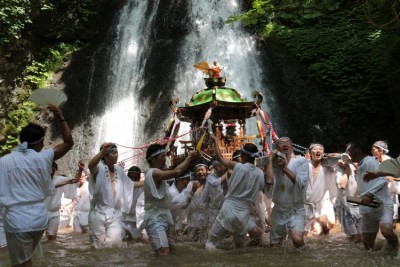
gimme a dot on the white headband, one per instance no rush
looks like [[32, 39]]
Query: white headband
[[199, 165], [316, 144], [158, 152], [384, 149], [134, 172], [252, 155], [35, 142], [235, 157]]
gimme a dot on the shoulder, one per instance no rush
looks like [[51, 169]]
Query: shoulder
[[300, 161], [49, 152], [371, 161]]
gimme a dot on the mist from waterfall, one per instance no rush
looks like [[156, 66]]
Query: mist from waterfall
[[121, 120], [210, 39]]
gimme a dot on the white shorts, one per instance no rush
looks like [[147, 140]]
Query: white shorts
[[218, 232], [105, 230], [284, 219], [371, 220], [54, 222], [159, 233], [21, 245], [81, 221]]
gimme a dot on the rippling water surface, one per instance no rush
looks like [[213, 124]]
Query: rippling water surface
[[334, 250]]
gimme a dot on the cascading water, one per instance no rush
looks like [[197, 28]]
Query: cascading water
[[129, 104]]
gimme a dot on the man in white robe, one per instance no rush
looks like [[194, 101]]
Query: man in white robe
[[244, 184], [25, 182], [129, 218], [373, 219], [348, 213], [289, 178], [321, 192], [112, 192], [158, 220], [65, 189], [81, 203], [213, 193], [180, 193]]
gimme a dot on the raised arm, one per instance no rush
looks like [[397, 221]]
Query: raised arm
[[78, 175], [139, 184], [61, 149], [228, 163], [160, 175], [268, 171], [94, 162]]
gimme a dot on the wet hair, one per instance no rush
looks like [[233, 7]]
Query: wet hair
[[382, 145], [252, 148], [32, 134], [186, 175], [314, 145], [283, 137], [236, 154], [113, 146], [135, 169], [360, 146], [199, 163], [215, 162], [153, 148]]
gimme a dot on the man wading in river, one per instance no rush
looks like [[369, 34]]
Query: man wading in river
[[25, 182], [244, 184], [379, 218]]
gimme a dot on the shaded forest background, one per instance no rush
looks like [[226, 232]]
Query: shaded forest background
[[344, 51]]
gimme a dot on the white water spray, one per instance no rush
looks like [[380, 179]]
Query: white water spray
[[211, 39]]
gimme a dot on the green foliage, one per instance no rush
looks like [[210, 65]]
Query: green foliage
[[37, 75], [15, 15], [289, 12], [347, 56], [345, 47], [16, 120], [49, 60]]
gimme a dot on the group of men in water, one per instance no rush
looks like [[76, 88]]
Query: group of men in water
[[205, 202]]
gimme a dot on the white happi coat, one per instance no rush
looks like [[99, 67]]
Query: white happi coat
[[378, 187], [287, 194], [323, 186], [179, 204], [53, 203], [197, 211], [349, 191], [130, 216], [243, 187], [82, 203], [213, 196], [25, 182], [157, 201], [101, 191]]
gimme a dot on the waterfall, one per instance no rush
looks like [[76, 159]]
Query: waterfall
[[138, 80]]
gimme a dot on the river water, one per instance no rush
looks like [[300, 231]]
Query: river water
[[334, 250]]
